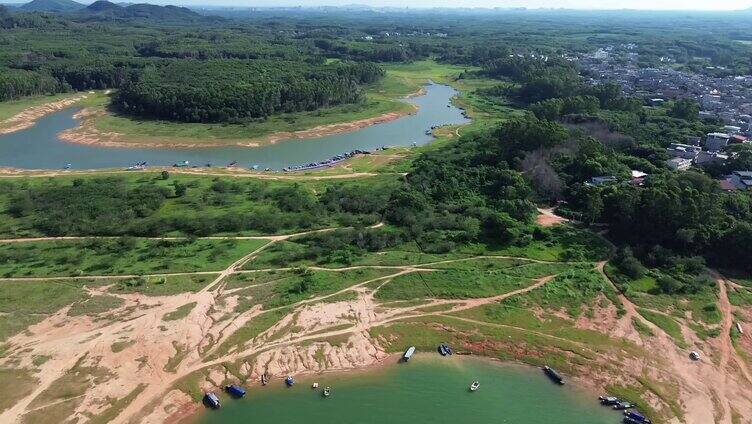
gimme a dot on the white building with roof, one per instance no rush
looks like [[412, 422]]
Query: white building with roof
[[679, 164]]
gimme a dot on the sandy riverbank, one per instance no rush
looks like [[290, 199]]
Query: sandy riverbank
[[29, 117], [87, 132]]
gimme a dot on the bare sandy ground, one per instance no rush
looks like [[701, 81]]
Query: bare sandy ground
[[547, 218], [707, 390], [28, 117], [322, 335]]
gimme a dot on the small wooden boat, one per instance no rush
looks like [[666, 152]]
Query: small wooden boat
[[264, 379], [474, 386], [289, 381], [235, 390], [327, 391], [553, 375], [211, 400]]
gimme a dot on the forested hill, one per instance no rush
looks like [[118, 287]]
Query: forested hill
[[106, 9], [51, 6], [230, 90]]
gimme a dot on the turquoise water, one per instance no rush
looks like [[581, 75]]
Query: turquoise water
[[39, 147], [429, 389]]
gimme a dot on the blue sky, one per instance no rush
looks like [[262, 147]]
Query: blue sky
[[575, 4]]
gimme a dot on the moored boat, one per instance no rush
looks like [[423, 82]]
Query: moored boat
[[408, 353], [211, 400], [264, 379], [327, 391], [315, 385], [474, 386], [235, 390], [624, 405], [609, 400], [289, 381], [444, 349], [553, 375], [635, 417]]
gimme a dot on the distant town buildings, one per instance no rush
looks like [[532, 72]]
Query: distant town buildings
[[728, 98]]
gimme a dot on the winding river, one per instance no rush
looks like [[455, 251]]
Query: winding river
[[39, 147], [429, 389]]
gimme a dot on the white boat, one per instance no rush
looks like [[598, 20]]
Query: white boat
[[474, 386], [408, 353], [327, 391], [315, 385]]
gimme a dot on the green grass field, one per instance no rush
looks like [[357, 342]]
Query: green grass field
[[667, 324], [699, 307], [111, 257], [14, 107], [302, 285], [162, 286], [450, 284]]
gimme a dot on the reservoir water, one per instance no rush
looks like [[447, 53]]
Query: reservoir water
[[40, 148], [428, 389]]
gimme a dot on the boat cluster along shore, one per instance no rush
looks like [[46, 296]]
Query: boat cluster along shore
[[334, 160], [329, 162], [631, 415]]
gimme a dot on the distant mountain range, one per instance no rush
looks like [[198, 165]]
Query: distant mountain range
[[142, 10], [104, 9]]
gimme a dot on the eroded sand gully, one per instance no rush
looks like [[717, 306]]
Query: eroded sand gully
[[134, 348]]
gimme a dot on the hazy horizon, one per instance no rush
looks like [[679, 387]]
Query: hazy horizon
[[645, 5], [531, 4]]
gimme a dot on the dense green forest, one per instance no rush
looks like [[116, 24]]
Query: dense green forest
[[94, 48], [229, 90], [483, 187]]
